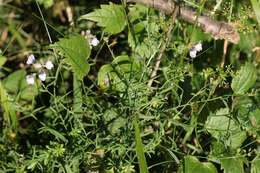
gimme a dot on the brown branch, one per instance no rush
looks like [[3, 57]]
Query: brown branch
[[218, 30], [156, 67]]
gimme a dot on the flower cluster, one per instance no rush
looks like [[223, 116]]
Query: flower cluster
[[197, 47], [40, 67], [93, 41]]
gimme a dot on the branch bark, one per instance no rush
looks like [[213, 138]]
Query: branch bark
[[218, 30]]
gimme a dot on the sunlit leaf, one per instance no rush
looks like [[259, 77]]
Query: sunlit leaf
[[193, 165], [232, 165], [244, 79], [76, 50], [111, 16]]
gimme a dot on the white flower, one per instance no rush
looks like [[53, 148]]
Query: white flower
[[49, 65], [31, 59], [193, 53], [198, 46], [37, 65], [42, 75], [30, 79], [93, 41]]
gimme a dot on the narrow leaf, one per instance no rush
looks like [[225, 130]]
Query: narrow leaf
[[139, 150]]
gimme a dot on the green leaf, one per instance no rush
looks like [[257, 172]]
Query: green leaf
[[193, 165], [232, 165], [256, 7], [2, 60], [255, 167], [220, 126], [244, 79], [254, 117], [16, 82], [114, 75], [13, 82], [139, 150], [9, 109], [76, 50], [111, 16]]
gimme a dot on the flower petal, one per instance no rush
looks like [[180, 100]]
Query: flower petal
[[49, 65], [30, 79], [42, 75], [31, 59]]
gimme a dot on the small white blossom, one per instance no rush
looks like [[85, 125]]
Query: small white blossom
[[193, 53], [42, 75], [30, 79], [49, 65], [31, 59], [198, 46], [93, 41], [37, 65]]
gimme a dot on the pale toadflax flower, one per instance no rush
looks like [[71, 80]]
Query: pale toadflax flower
[[30, 79], [42, 75], [49, 65], [93, 41], [31, 59], [41, 68], [197, 47]]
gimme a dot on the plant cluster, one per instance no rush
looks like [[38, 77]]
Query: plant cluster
[[124, 88]]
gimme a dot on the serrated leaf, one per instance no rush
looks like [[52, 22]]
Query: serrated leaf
[[232, 165], [220, 126], [76, 50], [111, 17], [193, 165], [244, 79]]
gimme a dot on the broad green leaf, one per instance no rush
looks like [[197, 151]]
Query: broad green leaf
[[244, 79], [141, 42], [76, 50], [254, 117], [256, 7], [111, 16], [116, 74], [232, 165], [16, 83], [9, 109], [2, 60], [13, 82], [255, 167], [220, 126], [140, 150], [193, 165]]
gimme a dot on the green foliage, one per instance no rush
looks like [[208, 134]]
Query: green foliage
[[118, 74], [111, 17], [197, 115], [139, 150], [244, 79], [192, 164], [222, 127], [231, 165], [76, 50]]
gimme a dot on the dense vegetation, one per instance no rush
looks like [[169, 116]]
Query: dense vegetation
[[110, 86]]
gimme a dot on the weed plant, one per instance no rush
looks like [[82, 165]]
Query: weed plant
[[100, 110]]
